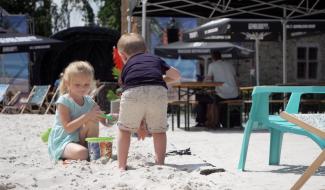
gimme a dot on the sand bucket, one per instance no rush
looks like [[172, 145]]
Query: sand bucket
[[99, 147]]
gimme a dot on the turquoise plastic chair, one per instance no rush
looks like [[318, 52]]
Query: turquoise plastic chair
[[259, 116]]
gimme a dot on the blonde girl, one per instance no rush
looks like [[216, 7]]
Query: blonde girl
[[77, 115]]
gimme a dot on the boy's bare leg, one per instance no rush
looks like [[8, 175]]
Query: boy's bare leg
[[160, 141], [142, 131], [90, 129], [123, 142]]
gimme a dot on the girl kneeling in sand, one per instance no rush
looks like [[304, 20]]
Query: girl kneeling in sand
[[77, 115]]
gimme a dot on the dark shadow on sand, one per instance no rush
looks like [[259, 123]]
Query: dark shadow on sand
[[295, 169], [234, 130], [188, 167]]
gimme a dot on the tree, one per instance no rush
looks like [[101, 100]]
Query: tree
[[48, 17], [109, 14], [61, 15], [38, 11]]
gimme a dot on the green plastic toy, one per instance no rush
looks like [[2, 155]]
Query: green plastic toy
[[108, 116], [99, 139], [45, 135]]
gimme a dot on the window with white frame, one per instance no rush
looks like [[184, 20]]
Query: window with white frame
[[307, 62]]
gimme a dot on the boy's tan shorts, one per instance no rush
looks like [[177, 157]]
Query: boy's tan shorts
[[144, 102]]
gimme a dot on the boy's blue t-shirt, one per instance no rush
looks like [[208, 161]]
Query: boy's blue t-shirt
[[144, 69]]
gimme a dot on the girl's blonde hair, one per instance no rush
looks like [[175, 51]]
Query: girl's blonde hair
[[131, 43], [76, 67]]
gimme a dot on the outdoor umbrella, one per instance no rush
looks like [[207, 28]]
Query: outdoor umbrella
[[90, 43], [251, 29], [236, 30], [18, 42], [227, 29], [194, 50]]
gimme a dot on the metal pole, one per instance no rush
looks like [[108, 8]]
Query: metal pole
[[128, 18], [2, 69], [284, 49], [205, 58], [144, 10], [284, 46], [257, 60]]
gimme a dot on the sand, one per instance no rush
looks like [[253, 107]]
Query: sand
[[25, 164]]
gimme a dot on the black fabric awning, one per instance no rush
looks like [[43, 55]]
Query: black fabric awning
[[18, 42], [194, 50], [202, 50], [227, 29], [234, 30], [211, 9]]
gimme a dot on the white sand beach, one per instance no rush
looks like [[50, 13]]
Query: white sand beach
[[25, 164]]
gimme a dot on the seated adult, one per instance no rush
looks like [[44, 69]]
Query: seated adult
[[57, 82], [208, 112]]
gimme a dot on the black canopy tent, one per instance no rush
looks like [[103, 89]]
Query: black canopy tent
[[281, 10], [202, 50], [211, 9], [92, 44], [13, 42], [227, 29], [192, 50], [18, 42]]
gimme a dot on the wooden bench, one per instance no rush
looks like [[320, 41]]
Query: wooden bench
[[175, 108], [235, 104]]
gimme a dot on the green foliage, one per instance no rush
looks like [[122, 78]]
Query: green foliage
[[38, 11], [61, 15], [109, 14], [116, 73], [111, 95], [44, 12]]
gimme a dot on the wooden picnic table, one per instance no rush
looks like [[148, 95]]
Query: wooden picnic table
[[192, 88], [197, 85], [318, 83]]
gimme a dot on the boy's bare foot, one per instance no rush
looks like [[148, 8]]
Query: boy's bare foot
[[122, 169]]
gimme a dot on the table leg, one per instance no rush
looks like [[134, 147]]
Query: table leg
[[179, 108], [187, 111]]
